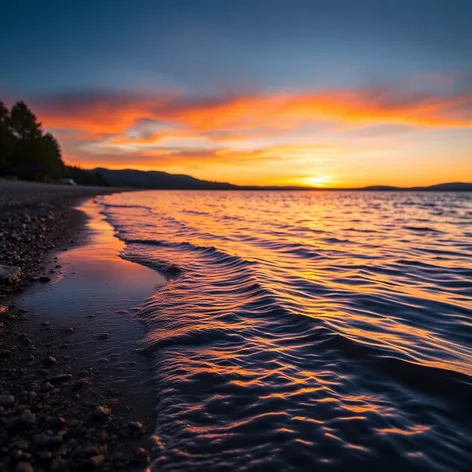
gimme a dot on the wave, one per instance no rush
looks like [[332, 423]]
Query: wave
[[114, 205], [422, 229], [278, 345]]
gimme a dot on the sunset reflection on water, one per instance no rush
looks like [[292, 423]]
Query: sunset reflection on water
[[307, 330]]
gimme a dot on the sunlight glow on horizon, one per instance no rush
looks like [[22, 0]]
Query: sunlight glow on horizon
[[251, 92], [318, 181], [352, 138]]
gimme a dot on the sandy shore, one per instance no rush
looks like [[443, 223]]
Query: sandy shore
[[61, 407]]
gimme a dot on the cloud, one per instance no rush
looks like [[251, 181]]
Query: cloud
[[162, 128], [115, 112], [380, 130]]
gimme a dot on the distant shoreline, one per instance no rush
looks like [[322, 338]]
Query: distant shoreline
[[158, 180], [134, 184]]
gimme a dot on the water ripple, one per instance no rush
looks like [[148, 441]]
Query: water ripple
[[307, 331]]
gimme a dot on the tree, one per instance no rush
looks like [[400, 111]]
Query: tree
[[27, 132], [36, 156], [6, 139], [51, 156], [23, 122], [30, 154]]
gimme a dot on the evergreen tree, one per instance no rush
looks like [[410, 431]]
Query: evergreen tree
[[23, 122], [27, 159], [51, 156], [36, 156], [29, 153], [6, 140]]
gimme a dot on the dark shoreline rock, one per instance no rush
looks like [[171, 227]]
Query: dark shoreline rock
[[9, 274]]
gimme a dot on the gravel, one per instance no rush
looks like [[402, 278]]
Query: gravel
[[54, 415]]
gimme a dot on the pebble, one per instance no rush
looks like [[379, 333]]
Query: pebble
[[141, 453], [103, 336], [24, 466], [56, 422], [7, 400], [135, 426], [25, 421], [60, 378], [44, 440], [50, 360], [92, 463], [44, 279], [26, 340], [85, 452], [81, 383], [5, 353], [68, 330], [59, 465], [101, 412], [43, 455], [47, 387]]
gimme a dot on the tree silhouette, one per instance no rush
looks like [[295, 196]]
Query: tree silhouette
[[23, 123], [26, 151], [28, 159], [51, 156], [29, 153], [6, 139]]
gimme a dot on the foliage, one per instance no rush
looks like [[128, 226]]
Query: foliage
[[29, 153], [6, 139], [25, 150]]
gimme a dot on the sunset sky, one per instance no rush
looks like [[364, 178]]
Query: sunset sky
[[311, 92]]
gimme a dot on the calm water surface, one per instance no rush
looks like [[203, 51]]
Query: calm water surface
[[307, 331]]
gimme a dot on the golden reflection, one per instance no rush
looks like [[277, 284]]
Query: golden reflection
[[418, 429], [301, 309], [356, 447]]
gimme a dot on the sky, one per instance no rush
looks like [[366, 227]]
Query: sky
[[309, 92]]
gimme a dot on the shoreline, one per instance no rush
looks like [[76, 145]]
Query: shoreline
[[61, 407]]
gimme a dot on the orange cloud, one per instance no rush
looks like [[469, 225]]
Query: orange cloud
[[112, 114], [280, 131], [377, 106]]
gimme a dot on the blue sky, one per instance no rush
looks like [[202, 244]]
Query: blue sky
[[204, 48]]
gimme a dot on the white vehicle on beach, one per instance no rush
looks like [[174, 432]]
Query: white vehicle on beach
[[67, 182]]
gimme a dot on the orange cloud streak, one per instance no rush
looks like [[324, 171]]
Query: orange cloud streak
[[263, 136], [371, 107], [285, 111]]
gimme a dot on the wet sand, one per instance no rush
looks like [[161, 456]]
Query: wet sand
[[74, 392]]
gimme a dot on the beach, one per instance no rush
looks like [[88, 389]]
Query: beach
[[64, 405], [226, 330]]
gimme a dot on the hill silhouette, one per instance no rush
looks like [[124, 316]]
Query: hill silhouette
[[158, 180]]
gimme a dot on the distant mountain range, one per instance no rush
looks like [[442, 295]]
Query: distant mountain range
[[157, 180]]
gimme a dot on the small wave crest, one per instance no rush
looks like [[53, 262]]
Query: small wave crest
[[289, 343]]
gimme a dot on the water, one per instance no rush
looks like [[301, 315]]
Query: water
[[307, 331]]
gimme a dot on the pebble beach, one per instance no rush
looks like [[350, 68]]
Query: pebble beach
[[56, 415]]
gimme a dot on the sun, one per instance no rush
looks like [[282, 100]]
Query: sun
[[318, 181]]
